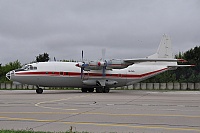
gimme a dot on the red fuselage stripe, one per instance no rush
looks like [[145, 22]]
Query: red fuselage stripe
[[90, 74]]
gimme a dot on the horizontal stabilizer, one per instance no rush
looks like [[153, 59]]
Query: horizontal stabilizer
[[174, 67], [181, 66]]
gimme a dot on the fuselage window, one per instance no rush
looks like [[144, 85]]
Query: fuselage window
[[31, 67]]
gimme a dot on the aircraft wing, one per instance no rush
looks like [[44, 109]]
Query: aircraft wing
[[133, 61]]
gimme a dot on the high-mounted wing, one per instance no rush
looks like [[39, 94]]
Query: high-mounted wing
[[134, 61], [139, 60]]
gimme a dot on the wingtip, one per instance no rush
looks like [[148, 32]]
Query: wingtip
[[182, 60]]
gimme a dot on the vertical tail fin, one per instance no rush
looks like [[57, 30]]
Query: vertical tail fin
[[164, 49]]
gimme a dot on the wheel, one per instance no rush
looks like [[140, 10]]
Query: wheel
[[91, 89], [106, 90], [99, 90], [84, 89], [39, 91]]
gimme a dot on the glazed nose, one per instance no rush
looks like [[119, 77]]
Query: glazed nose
[[9, 74]]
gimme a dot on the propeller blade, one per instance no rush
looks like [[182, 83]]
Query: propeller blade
[[82, 72], [103, 54], [104, 69], [82, 66], [103, 59], [82, 56]]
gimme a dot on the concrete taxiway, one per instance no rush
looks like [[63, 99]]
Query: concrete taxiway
[[117, 111]]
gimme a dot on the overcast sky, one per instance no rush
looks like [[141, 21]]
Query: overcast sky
[[125, 28]]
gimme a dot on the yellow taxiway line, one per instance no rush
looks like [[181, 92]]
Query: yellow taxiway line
[[108, 114], [103, 124]]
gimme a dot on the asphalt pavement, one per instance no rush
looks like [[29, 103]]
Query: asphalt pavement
[[118, 111]]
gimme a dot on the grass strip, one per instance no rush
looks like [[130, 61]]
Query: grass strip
[[31, 131]]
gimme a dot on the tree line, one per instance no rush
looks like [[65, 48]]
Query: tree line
[[182, 74], [16, 64]]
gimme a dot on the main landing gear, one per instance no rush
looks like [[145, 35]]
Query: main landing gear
[[39, 90], [98, 90], [87, 90]]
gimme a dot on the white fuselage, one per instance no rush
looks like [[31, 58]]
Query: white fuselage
[[66, 74], [99, 74]]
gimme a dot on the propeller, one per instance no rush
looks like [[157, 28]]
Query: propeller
[[103, 54], [104, 62], [82, 56], [82, 66]]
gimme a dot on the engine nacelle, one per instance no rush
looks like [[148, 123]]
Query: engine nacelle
[[117, 64], [101, 63], [98, 65], [82, 64], [79, 64]]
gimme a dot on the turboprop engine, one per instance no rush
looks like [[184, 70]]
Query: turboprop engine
[[117, 64], [92, 65], [101, 64], [98, 65]]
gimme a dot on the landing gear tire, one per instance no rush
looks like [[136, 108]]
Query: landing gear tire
[[99, 90], [84, 90], [39, 91], [102, 90], [87, 90], [106, 90], [90, 89]]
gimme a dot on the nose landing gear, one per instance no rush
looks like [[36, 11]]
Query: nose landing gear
[[39, 90]]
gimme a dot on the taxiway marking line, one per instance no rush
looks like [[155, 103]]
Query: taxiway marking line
[[101, 124], [39, 104], [107, 114]]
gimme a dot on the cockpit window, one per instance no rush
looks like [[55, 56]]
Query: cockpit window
[[26, 67], [29, 67]]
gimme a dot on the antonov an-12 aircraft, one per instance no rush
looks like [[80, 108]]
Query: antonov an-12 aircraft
[[100, 75]]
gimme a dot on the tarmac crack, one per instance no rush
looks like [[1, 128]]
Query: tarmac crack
[[144, 95], [73, 115]]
